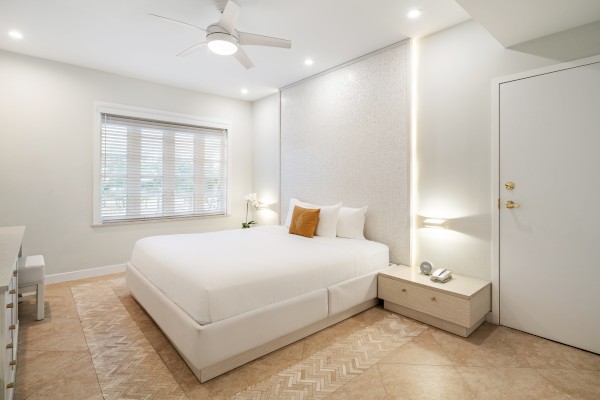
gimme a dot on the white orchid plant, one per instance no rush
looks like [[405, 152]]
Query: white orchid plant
[[250, 199]]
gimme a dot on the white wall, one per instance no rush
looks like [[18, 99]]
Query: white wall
[[453, 144], [265, 179], [46, 132]]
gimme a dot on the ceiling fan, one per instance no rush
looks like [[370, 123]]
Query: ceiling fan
[[223, 38]]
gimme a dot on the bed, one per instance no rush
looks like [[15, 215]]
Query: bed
[[226, 298]]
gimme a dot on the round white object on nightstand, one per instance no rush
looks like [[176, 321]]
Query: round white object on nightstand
[[426, 268]]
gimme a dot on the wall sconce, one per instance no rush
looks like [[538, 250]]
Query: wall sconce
[[262, 206], [438, 223]]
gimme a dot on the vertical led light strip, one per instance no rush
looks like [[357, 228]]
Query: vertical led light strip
[[414, 173]]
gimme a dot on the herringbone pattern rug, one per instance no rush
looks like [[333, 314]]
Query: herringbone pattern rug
[[129, 367], [322, 373], [126, 364]]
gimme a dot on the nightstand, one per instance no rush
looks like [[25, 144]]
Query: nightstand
[[458, 306]]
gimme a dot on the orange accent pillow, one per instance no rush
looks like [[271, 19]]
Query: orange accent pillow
[[304, 221]]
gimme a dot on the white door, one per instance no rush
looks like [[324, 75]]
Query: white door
[[550, 244]]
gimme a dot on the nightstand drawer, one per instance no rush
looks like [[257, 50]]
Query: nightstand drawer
[[431, 302]]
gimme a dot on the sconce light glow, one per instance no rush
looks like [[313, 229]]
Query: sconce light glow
[[244, 91], [435, 223], [308, 61], [15, 35], [416, 13]]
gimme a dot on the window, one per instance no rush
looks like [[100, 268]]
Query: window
[[152, 169]]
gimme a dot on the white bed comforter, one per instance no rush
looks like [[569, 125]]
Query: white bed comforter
[[217, 275]]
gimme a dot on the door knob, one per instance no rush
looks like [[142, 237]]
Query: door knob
[[509, 185], [511, 204]]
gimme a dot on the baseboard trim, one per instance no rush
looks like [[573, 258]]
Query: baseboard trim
[[85, 273]]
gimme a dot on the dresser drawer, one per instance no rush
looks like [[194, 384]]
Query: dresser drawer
[[444, 306]]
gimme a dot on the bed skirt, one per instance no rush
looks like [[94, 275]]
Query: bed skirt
[[213, 349]]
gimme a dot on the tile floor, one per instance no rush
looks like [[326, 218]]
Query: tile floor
[[67, 356]]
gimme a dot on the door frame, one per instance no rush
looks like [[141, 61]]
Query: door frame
[[495, 317]]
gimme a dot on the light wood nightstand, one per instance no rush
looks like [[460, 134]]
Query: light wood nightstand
[[458, 306]]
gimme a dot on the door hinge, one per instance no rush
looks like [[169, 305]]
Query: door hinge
[[498, 203]]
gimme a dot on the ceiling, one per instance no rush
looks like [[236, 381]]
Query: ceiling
[[120, 37], [513, 22]]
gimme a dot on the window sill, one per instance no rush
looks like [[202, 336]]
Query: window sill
[[155, 220]]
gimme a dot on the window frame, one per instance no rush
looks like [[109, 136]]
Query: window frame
[[158, 115]]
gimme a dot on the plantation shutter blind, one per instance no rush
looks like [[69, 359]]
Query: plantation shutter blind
[[153, 170]]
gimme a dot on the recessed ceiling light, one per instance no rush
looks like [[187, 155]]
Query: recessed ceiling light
[[416, 13], [308, 61], [244, 91], [15, 34]]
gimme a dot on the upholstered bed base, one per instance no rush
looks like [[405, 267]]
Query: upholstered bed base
[[213, 349]]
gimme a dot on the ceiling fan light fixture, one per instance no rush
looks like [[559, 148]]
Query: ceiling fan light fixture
[[223, 44]]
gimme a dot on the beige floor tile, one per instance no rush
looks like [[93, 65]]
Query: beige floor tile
[[422, 350], [77, 382], [584, 385], [367, 386], [52, 311], [52, 334], [373, 314], [421, 382], [544, 353], [58, 304], [55, 362], [324, 338], [491, 383], [36, 368], [483, 348]]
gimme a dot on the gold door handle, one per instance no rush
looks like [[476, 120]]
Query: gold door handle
[[510, 204]]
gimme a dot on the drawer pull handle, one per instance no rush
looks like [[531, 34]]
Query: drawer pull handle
[[9, 346], [12, 327], [13, 362], [404, 290], [433, 299], [12, 291], [10, 385], [10, 305]]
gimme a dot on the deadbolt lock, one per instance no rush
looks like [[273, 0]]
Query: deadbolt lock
[[509, 185]]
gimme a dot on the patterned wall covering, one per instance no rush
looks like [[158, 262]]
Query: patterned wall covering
[[345, 137]]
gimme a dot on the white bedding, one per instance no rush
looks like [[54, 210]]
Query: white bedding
[[216, 275]]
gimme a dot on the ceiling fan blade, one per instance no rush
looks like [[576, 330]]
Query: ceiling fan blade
[[191, 49], [230, 16], [243, 58], [259, 40], [178, 22]]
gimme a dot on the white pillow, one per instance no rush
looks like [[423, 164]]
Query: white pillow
[[351, 223], [328, 217], [288, 220]]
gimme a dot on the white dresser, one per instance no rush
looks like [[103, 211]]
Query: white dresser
[[10, 249]]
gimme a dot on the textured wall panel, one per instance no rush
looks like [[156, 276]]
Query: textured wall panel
[[345, 137]]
